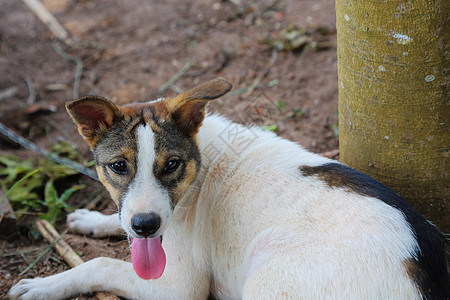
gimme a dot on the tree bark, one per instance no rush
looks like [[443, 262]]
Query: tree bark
[[394, 107]]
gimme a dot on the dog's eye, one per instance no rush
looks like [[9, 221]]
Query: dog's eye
[[119, 167], [171, 165]]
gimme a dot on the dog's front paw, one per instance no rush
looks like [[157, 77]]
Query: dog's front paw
[[83, 221], [32, 289]]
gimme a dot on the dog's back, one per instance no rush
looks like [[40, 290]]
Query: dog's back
[[309, 227]]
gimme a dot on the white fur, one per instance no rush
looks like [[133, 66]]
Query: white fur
[[255, 228], [83, 221], [145, 194]]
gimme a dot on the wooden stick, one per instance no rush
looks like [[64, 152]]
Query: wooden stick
[[66, 252], [9, 92], [331, 154], [48, 19], [50, 234]]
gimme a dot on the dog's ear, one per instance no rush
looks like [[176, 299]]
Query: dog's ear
[[188, 108], [93, 115]]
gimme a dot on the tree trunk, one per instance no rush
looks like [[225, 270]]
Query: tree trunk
[[394, 107]]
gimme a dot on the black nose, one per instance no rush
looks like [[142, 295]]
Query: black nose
[[146, 224]]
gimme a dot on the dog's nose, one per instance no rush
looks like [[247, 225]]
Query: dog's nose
[[146, 224]]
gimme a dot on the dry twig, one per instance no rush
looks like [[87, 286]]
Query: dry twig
[[31, 265], [302, 55], [49, 20], [9, 92], [78, 70], [177, 75], [51, 156], [66, 252], [31, 91]]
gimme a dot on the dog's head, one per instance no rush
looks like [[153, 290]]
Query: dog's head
[[146, 154]]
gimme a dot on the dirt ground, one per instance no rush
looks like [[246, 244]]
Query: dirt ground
[[129, 49]]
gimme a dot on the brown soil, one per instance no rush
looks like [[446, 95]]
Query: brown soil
[[129, 50]]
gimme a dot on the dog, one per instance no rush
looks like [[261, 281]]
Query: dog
[[211, 207]]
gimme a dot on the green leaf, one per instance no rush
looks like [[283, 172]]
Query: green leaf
[[90, 164], [65, 150], [271, 127], [67, 193], [51, 202], [298, 112], [15, 185], [281, 106], [56, 204], [50, 194], [25, 181]]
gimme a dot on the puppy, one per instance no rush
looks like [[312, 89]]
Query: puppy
[[213, 207]]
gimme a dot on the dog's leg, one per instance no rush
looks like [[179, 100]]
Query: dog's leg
[[118, 277], [97, 274], [83, 221]]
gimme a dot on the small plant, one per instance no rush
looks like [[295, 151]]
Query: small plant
[[281, 105], [31, 185], [298, 112], [56, 204], [294, 38], [273, 128], [15, 185]]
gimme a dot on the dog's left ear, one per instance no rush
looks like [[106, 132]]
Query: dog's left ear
[[188, 108], [93, 115]]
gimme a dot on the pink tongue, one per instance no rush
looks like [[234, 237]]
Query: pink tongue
[[148, 257]]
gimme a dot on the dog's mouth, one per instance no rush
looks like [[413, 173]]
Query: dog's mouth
[[148, 257]]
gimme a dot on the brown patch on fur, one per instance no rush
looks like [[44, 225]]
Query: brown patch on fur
[[160, 109], [161, 157], [151, 112], [325, 175], [416, 274], [341, 176], [132, 123], [191, 174], [115, 194], [115, 183], [133, 109]]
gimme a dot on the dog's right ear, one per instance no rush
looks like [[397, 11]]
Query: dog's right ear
[[188, 108], [93, 115]]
